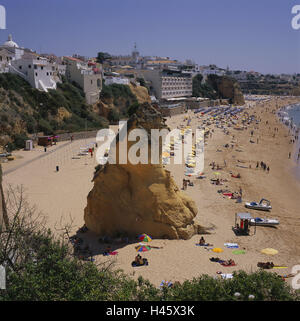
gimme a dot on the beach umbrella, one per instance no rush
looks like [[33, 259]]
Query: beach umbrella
[[269, 251], [217, 173], [145, 238], [217, 250], [143, 248], [165, 154]]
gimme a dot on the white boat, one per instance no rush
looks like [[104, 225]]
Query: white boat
[[263, 205], [263, 221]]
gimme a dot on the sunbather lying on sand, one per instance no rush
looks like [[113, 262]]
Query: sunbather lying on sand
[[230, 262], [267, 265]]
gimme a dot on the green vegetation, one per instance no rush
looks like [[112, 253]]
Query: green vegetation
[[121, 97], [203, 89], [102, 57], [270, 85], [42, 267], [25, 110]]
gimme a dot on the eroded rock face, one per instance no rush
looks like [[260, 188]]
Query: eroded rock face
[[134, 199], [227, 88]]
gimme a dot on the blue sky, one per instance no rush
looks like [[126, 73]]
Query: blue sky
[[247, 35]]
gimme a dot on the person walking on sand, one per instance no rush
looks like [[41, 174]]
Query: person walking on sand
[[268, 169], [289, 154]]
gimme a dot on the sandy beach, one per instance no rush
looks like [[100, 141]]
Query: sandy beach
[[61, 197]]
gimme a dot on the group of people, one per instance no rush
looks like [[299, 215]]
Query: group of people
[[185, 183], [139, 261], [263, 166]]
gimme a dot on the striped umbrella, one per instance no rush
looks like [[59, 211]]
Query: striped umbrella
[[145, 238], [143, 248]]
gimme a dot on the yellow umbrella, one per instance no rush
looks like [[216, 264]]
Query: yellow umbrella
[[217, 250], [191, 165], [269, 251], [217, 173], [165, 154]]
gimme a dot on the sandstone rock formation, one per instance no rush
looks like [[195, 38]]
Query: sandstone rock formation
[[227, 88], [133, 199], [141, 93]]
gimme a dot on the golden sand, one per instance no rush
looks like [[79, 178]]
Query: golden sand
[[63, 195]]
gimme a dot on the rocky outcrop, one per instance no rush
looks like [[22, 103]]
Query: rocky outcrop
[[141, 93], [227, 88], [132, 199]]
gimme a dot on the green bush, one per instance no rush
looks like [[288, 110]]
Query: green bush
[[45, 127], [19, 140], [38, 110]]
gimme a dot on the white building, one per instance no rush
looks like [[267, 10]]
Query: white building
[[36, 70], [9, 51], [211, 70], [109, 80], [169, 84], [88, 77]]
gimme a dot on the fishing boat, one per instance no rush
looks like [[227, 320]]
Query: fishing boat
[[263, 205]]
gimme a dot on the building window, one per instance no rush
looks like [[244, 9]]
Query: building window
[[36, 74], [29, 66], [47, 73], [42, 67], [20, 67]]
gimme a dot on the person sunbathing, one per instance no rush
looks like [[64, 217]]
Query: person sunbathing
[[202, 241], [228, 262], [107, 250], [138, 259]]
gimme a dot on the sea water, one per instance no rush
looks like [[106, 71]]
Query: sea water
[[294, 114], [290, 116], [292, 119]]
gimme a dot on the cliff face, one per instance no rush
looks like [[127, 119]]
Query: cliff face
[[227, 88], [141, 93], [134, 199]]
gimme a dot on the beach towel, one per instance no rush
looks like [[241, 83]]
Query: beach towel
[[228, 194], [224, 264], [239, 252], [145, 262], [231, 245], [280, 267], [206, 244], [110, 253], [227, 276]]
